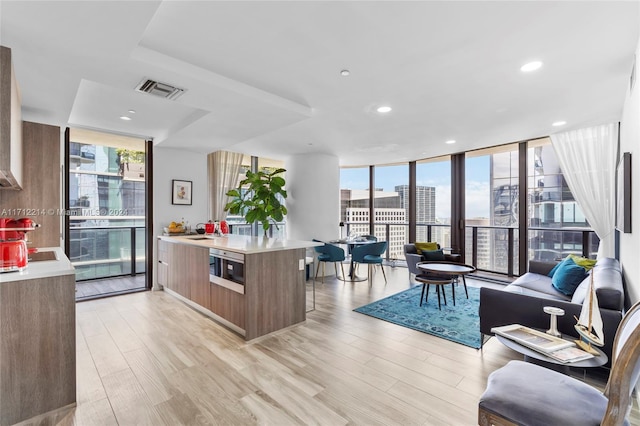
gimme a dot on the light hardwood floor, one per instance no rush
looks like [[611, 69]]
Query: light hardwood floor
[[109, 286], [146, 358]]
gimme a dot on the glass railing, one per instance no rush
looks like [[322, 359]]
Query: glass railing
[[493, 249], [496, 249], [107, 251]]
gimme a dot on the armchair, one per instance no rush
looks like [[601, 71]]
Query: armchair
[[527, 394], [413, 258]]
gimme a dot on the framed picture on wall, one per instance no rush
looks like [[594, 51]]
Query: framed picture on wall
[[181, 192], [623, 194]]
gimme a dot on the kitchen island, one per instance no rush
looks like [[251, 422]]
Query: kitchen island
[[37, 339], [252, 285]]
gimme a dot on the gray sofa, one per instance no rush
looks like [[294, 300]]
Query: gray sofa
[[522, 301]]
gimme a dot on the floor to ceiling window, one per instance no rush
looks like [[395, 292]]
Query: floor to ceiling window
[[433, 200], [554, 227], [552, 207], [491, 195], [237, 223], [354, 200], [391, 207], [106, 233]]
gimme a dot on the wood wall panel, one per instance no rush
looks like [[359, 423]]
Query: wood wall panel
[[40, 198], [275, 291]]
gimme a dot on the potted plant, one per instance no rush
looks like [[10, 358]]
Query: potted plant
[[257, 198], [126, 160]]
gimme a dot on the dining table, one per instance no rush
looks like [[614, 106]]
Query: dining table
[[351, 243]]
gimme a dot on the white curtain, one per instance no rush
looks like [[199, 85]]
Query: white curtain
[[587, 158], [223, 170]]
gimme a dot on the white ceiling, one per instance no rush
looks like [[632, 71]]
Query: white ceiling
[[263, 78]]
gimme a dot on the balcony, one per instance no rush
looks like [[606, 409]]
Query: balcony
[[106, 251]]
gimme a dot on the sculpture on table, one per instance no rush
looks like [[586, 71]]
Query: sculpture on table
[[589, 324]]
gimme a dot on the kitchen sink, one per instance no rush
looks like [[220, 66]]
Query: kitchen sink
[[42, 255], [199, 238]]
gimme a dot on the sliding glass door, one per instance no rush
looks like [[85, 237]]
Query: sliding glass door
[[106, 193]]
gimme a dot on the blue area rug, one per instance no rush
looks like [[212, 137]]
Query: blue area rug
[[460, 323]]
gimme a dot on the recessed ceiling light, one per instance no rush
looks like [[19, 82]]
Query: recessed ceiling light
[[345, 73], [559, 123], [531, 66], [125, 118], [451, 141], [383, 109], [132, 111]]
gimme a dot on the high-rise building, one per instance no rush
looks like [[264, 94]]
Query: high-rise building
[[354, 209], [503, 211], [483, 243], [425, 202], [551, 206], [425, 211]]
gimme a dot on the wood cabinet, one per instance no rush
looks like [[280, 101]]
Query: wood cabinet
[[273, 296], [41, 183], [37, 346], [185, 270], [11, 152], [163, 263], [275, 291], [229, 305]]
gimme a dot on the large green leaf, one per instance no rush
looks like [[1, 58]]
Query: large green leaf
[[260, 200], [277, 180], [251, 216]]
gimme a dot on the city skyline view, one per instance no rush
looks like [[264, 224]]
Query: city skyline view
[[433, 174]]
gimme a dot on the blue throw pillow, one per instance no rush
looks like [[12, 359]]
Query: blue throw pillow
[[431, 255], [568, 277], [554, 269]]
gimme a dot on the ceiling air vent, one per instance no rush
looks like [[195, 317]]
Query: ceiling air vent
[[156, 88]]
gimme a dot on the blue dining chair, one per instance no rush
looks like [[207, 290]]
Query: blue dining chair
[[329, 253], [371, 254]]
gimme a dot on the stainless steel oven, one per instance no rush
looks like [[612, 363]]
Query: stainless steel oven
[[226, 269]]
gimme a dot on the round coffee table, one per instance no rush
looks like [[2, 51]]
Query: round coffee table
[[427, 281], [450, 270], [539, 358]]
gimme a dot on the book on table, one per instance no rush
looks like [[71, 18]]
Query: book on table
[[531, 338], [570, 355]]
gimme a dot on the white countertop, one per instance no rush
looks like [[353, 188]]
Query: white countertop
[[240, 243], [42, 269]]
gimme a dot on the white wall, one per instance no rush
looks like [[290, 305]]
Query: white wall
[[169, 164], [629, 140], [313, 197]]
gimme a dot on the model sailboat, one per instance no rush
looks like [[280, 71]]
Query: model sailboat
[[589, 324]]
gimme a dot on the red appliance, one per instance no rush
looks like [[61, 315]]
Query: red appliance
[[13, 243], [209, 227]]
